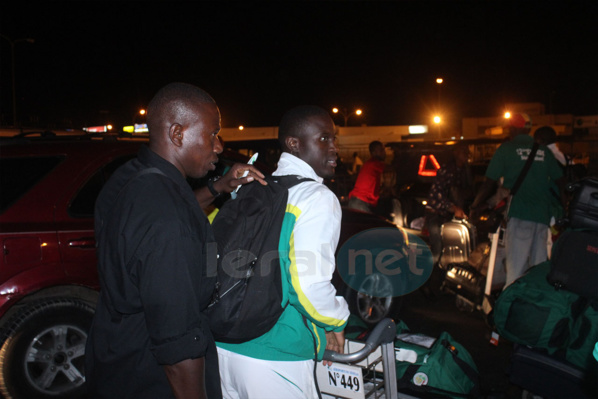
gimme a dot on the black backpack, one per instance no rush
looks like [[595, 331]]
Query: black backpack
[[248, 298]]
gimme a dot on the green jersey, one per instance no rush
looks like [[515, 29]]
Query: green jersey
[[532, 200]]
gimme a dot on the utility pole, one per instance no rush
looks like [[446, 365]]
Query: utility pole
[[12, 60]]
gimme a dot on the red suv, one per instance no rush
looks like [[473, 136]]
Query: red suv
[[48, 276]]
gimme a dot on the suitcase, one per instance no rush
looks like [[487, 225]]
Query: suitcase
[[464, 276], [549, 377], [583, 207], [574, 263], [467, 282], [458, 241]]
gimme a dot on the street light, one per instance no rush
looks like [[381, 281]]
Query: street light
[[12, 59], [139, 115], [346, 114], [437, 121]]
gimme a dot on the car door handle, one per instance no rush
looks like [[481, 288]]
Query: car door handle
[[85, 242]]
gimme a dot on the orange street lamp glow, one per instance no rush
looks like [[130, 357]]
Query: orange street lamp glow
[[241, 127], [507, 115], [437, 119], [439, 80], [346, 114], [141, 112]]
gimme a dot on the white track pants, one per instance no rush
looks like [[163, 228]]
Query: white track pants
[[244, 377]]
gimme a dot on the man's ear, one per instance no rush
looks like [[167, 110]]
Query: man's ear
[[175, 134], [292, 144]]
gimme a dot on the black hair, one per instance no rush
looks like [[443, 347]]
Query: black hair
[[375, 144], [171, 100], [545, 135], [293, 122]]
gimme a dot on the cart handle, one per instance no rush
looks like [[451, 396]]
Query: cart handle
[[383, 333]]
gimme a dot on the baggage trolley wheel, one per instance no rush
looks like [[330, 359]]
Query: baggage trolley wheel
[[463, 304]]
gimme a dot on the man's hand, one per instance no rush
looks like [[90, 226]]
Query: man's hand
[[459, 214], [234, 177], [335, 341], [229, 182]]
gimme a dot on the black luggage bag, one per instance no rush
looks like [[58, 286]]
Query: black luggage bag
[[466, 281], [583, 207], [546, 376], [574, 263]]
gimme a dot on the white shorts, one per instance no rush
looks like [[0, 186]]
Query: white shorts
[[244, 377]]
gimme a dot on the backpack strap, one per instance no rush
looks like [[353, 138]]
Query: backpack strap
[[289, 181], [523, 173], [467, 369]]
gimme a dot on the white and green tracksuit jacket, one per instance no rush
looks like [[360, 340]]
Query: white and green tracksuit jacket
[[310, 234]]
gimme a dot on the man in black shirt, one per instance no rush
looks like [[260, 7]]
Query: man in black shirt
[[149, 337]]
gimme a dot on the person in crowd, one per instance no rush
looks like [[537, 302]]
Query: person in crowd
[[149, 337], [547, 136], [366, 192], [452, 185], [280, 363], [356, 165], [529, 212]]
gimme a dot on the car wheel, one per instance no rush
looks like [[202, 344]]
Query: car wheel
[[43, 350], [372, 309]]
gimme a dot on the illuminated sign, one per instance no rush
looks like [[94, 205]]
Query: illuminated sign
[[428, 165], [141, 128], [95, 129], [137, 128], [418, 129]]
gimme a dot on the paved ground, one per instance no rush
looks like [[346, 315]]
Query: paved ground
[[433, 314]]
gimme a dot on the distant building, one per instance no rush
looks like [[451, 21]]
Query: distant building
[[577, 135]]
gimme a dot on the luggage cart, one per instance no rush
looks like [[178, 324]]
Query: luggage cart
[[368, 372]]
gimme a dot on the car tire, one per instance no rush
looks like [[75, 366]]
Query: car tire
[[43, 350]]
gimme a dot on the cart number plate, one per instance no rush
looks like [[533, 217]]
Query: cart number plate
[[341, 380]]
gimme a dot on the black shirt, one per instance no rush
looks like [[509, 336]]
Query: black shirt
[[155, 246]]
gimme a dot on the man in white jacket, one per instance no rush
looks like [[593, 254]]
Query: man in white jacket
[[279, 364]]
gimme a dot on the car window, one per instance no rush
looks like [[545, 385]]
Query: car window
[[83, 204], [19, 175]]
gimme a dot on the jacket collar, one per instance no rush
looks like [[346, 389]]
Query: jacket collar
[[289, 164], [149, 158]]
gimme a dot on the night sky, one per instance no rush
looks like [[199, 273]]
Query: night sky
[[99, 62]]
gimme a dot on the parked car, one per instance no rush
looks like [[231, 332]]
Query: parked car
[[48, 276]]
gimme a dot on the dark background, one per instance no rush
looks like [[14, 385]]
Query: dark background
[[99, 62]]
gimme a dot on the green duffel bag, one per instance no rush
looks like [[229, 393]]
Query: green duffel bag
[[435, 366], [584, 335], [532, 312]]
